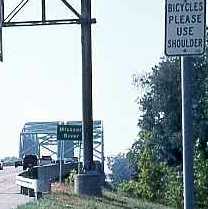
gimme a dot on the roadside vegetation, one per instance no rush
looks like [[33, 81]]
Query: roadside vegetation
[[155, 158], [63, 198], [9, 161]]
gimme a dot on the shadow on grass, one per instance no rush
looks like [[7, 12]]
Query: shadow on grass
[[106, 200], [114, 202]]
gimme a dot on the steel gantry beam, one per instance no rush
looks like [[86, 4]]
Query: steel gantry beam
[[9, 21]]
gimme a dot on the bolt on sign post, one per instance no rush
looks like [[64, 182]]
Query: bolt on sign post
[[185, 27]]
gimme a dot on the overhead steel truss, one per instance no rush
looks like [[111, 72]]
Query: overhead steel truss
[[43, 135], [8, 20]]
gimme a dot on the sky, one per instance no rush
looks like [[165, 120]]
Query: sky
[[40, 78]]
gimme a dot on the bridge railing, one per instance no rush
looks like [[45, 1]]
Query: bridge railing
[[38, 179]]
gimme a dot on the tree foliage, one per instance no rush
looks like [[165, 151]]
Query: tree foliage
[[121, 169], [9, 161], [160, 108], [157, 152]]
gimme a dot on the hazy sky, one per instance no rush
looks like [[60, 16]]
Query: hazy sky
[[40, 79]]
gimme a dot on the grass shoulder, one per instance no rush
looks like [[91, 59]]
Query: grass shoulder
[[62, 197]]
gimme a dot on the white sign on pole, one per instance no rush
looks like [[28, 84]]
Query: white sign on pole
[[185, 27]]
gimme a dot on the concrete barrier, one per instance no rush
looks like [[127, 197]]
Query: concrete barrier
[[38, 180], [88, 184]]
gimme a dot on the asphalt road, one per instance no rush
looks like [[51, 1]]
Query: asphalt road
[[10, 196]]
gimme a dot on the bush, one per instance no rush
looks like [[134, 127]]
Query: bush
[[70, 178], [128, 187], [164, 184], [151, 180], [161, 183], [156, 182], [174, 188], [201, 180]]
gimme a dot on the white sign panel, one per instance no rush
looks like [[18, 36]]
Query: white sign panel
[[185, 26]]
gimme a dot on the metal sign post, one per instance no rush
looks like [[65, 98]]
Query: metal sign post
[[87, 115], [60, 161], [186, 90], [185, 26]]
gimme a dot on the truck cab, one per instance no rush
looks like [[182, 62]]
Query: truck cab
[[1, 165], [29, 161]]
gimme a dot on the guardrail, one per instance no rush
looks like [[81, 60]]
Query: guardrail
[[32, 187], [36, 181]]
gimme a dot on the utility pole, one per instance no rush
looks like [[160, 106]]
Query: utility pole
[[88, 183], [87, 84], [187, 129]]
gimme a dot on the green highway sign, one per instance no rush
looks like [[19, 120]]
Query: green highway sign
[[69, 132]]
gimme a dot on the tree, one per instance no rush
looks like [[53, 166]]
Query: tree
[[121, 170], [9, 161], [160, 108]]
